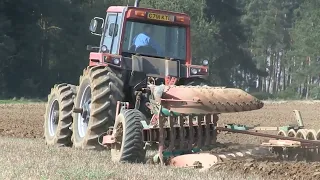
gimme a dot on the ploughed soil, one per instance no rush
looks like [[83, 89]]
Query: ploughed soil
[[26, 120], [22, 120], [270, 168]]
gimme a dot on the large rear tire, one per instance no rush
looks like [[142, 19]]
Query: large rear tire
[[129, 146], [99, 90], [58, 115]]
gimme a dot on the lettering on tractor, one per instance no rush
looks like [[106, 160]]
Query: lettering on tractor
[[141, 90]]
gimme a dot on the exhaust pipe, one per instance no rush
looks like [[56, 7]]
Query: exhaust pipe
[[136, 3]]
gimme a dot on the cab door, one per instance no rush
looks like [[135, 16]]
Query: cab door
[[112, 34]]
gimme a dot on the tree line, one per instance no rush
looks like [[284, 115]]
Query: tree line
[[267, 47]]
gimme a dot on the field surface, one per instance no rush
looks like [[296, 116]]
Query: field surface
[[23, 154]]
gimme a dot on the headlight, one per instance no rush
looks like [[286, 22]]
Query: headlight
[[116, 61], [194, 71], [205, 62], [104, 48]]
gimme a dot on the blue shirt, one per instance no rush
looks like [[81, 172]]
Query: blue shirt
[[144, 40]]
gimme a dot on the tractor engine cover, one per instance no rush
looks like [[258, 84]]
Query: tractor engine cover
[[206, 100]]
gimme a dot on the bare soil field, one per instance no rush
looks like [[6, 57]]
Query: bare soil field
[[22, 120], [23, 153]]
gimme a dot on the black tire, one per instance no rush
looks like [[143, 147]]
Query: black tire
[[106, 88], [61, 98], [130, 145]]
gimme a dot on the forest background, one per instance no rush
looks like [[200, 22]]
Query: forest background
[[269, 48]]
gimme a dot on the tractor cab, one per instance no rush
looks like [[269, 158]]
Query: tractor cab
[[167, 38], [159, 39]]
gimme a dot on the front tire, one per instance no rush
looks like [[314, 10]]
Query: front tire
[[99, 90], [129, 146], [58, 116]]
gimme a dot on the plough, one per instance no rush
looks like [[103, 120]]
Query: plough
[[292, 142], [179, 148]]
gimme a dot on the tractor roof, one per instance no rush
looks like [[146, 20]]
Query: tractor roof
[[121, 8]]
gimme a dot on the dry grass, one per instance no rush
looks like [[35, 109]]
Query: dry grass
[[31, 159]]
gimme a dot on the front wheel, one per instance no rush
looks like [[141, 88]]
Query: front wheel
[[99, 90], [127, 131]]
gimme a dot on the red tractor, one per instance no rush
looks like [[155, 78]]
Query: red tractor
[[139, 91]]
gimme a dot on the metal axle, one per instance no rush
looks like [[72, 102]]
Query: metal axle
[[268, 135]]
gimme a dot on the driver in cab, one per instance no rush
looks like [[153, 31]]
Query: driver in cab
[[145, 39]]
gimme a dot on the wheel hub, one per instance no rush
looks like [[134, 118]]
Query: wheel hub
[[86, 111], [56, 117], [53, 118], [85, 105]]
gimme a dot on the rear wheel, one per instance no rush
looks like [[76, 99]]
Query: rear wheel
[[99, 90], [129, 146], [58, 116]]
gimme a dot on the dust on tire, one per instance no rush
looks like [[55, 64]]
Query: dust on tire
[[63, 95], [132, 145], [106, 89]]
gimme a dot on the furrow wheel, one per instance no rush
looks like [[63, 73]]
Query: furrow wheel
[[129, 146], [282, 133], [302, 134], [292, 133], [99, 90], [58, 115], [313, 152], [292, 153], [302, 153]]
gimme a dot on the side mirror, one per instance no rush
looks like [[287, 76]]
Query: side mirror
[[90, 48], [93, 25]]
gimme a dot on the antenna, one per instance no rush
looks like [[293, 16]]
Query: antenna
[[136, 3]]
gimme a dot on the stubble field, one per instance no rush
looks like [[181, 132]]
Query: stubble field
[[23, 154]]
